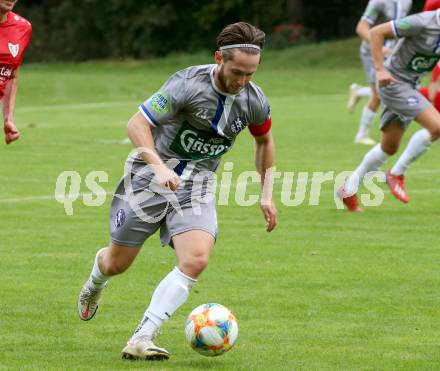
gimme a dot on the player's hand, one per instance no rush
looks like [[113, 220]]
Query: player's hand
[[11, 132], [270, 214], [384, 78], [165, 177]]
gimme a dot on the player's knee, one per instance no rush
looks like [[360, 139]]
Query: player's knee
[[200, 263], [113, 268], [390, 148], [196, 265]]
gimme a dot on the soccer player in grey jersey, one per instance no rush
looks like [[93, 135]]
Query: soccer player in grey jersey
[[376, 12], [188, 125], [416, 53]]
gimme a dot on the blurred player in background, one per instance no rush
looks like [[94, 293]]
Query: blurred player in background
[[193, 120], [431, 5], [431, 91], [358, 91], [396, 176], [418, 52], [377, 12], [15, 35]]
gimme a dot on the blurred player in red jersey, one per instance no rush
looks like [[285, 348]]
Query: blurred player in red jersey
[[431, 5], [432, 90], [15, 34]]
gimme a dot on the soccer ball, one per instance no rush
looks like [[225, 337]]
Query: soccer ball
[[211, 329]]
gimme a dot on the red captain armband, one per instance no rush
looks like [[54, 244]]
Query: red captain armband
[[259, 130]]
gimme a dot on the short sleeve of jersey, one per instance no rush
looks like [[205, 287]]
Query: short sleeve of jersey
[[260, 108], [373, 10], [260, 121], [409, 26], [27, 40], [165, 103]]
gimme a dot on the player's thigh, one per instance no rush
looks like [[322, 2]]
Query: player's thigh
[[134, 217], [391, 136], [136, 213], [403, 102], [193, 248], [192, 231], [374, 101], [430, 120], [192, 215]]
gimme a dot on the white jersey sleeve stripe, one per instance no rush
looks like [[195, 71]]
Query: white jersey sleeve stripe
[[147, 115], [394, 28]]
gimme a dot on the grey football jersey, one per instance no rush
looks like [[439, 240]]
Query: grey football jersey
[[382, 11], [195, 123], [418, 50]]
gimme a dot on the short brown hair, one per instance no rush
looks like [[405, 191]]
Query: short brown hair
[[240, 33]]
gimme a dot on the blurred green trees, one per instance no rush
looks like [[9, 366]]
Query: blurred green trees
[[95, 29]]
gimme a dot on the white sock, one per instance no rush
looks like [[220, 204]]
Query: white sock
[[372, 161], [364, 91], [97, 278], [417, 146], [169, 295], [365, 123]]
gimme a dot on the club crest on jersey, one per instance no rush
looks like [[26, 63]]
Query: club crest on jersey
[[238, 125], [14, 49], [120, 218], [413, 101]]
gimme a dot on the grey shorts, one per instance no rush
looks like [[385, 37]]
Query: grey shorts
[[370, 72], [402, 103], [137, 212]]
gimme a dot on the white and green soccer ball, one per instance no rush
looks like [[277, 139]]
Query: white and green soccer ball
[[211, 329]]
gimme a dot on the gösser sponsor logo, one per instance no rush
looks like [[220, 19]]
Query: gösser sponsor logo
[[423, 63], [191, 142]]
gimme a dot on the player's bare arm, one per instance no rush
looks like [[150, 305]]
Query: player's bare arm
[[139, 132], [378, 35], [264, 162], [363, 30], [10, 130]]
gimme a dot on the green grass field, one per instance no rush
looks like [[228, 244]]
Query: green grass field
[[328, 290]]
